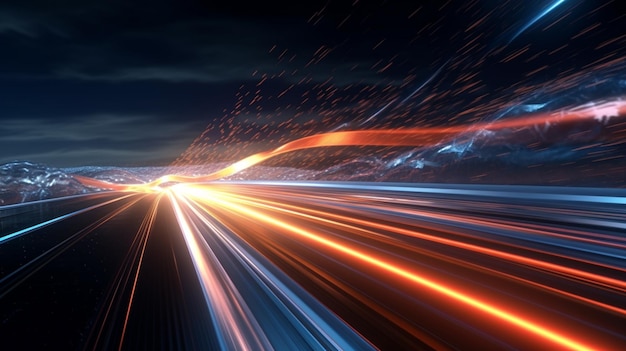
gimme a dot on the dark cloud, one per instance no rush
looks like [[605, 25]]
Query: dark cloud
[[29, 24], [139, 42], [10, 23], [198, 51], [134, 83], [95, 139], [101, 82], [208, 43]]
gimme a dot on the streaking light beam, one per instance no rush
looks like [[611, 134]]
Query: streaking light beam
[[535, 19]]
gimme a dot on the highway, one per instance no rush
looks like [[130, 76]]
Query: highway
[[317, 265]]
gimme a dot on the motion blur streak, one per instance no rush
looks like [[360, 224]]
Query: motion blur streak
[[254, 203], [30, 229], [218, 289], [325, 265], [534, 20], [422, 137], [240, 328], [143, 233], [514, 319], [573, 273]]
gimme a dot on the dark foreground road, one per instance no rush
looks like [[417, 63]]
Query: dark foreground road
[[262, 265]]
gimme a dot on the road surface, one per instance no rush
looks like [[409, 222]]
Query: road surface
[[317, 265]]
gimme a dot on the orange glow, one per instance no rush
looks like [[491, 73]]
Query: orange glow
[[466, 299], [418, 137], [341, 221], [366, 241], [567, 271]]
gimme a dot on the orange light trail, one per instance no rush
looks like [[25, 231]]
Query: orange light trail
[[609, 282], [397, 241], [357, 224], [358, 265], [502, 314], [417, 137]]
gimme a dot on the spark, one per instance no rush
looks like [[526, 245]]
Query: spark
[[420, 87], [426, 82]]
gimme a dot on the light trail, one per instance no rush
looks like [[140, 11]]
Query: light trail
[[534, 20], [305, 314], [12, 280], [421, 137], [43, 224], [213, 198], [275, 265], [236, 330], [297, 265], [415, 91], [532, 283], [143, 234], [357, 225], [311, 265], [426, 82]]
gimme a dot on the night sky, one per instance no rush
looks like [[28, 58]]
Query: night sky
[[135, 83]]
